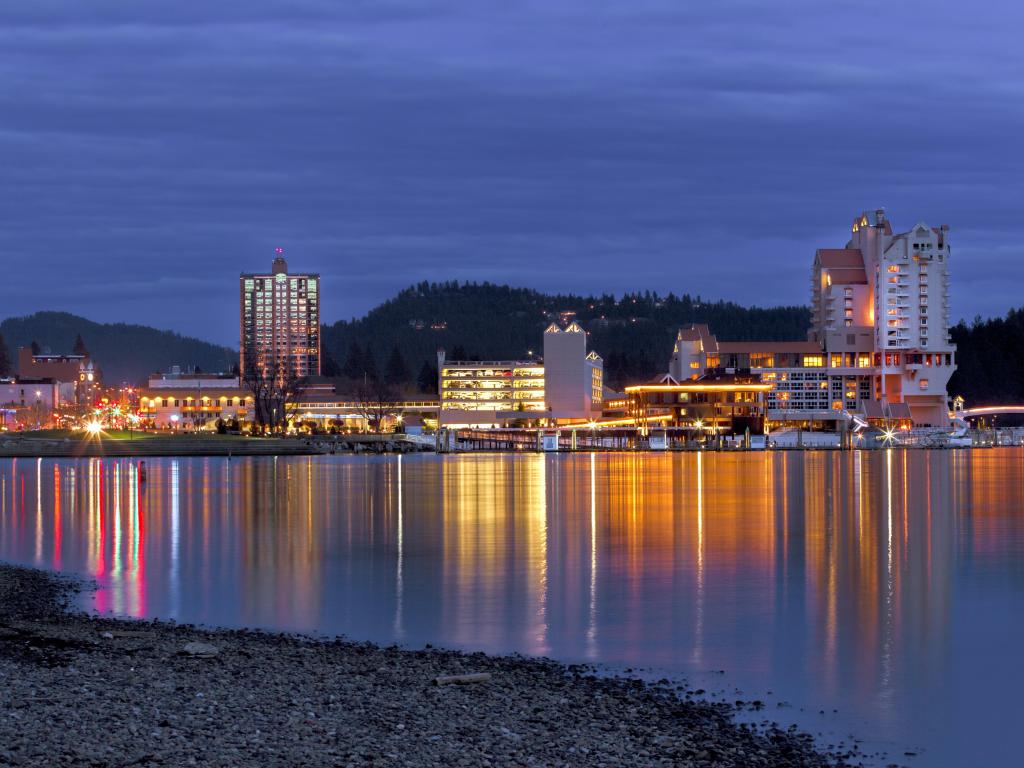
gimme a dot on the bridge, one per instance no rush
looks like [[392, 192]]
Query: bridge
[[989, 410]]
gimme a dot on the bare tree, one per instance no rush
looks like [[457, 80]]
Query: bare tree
[[275, 388], [376, 401]]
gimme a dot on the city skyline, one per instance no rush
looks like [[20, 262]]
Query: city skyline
[[153, 154]]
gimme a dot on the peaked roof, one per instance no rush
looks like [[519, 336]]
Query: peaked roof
[[840, 258]]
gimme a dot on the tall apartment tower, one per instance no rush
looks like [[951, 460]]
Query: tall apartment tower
[[280, 320], [883, 302]]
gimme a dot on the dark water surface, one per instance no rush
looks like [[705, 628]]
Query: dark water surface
[[886, 585]]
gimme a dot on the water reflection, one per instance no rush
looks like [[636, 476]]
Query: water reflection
[[885, 584]]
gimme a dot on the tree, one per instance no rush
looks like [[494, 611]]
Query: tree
[[427, 380], [396, 372], [376, 400], [5, 358], [36, 349], [369, 366], [274, 386], [353, 367], [79, 348], [328, 366]]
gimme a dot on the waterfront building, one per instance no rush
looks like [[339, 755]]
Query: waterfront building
[[279, 322], [490, 392], [195, 401], [878, 347], [716, 402], [573, 378], [565, 385]]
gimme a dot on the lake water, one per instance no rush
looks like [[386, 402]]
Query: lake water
[[887, 585]]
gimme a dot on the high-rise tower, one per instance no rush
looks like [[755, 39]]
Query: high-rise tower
[[280, 321]]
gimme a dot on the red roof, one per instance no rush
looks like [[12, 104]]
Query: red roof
[[841, 258]]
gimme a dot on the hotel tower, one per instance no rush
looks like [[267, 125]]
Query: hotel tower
[[878, 346], [280, 320]]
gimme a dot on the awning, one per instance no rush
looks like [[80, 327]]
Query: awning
[[899, 411]]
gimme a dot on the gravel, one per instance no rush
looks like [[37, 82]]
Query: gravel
[[81, 690]]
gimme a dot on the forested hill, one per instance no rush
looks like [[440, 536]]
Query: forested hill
[[990, 360], [125, 353], [634, 333]]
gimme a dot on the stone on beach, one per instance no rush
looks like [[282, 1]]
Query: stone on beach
[[200, 650]]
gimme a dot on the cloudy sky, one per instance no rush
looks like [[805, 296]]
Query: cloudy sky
[[151, 150]]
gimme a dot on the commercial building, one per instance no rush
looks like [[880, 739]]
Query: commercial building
[[565, 385], [719, 402], [279, 323], [194, 401], [28, 403], [878, 347], [78, 376], [573, 377]]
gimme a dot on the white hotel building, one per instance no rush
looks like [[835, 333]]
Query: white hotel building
[[879, 341]]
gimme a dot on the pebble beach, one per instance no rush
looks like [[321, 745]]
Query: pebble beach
[[82, 690]]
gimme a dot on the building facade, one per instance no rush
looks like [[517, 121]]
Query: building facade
[[567, 384], [193, 401], [279, 325], [489, 392], [886, 296], [573, 378], [878, 346], [78, 375]]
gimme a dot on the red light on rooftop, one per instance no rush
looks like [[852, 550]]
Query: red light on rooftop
[[279, 251]]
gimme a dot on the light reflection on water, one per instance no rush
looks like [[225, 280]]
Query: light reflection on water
[[888, 585]]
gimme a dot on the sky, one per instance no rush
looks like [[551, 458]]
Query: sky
[[152, 151]]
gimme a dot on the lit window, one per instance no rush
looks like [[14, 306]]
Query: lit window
[[923, 383]]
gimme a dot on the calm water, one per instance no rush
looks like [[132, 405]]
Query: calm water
[[887, 585]]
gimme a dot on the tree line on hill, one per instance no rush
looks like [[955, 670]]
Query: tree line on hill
[[990, 360], [124, 352], [634, 333]]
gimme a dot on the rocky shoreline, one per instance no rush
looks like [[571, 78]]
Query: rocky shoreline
[[81, 690]]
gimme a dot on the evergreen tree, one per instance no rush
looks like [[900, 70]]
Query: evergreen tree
[[369, 366], [79, 348], [396, 371], [427, 380], [328, 367], [353, 367], [36, 349], [5, 358]]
